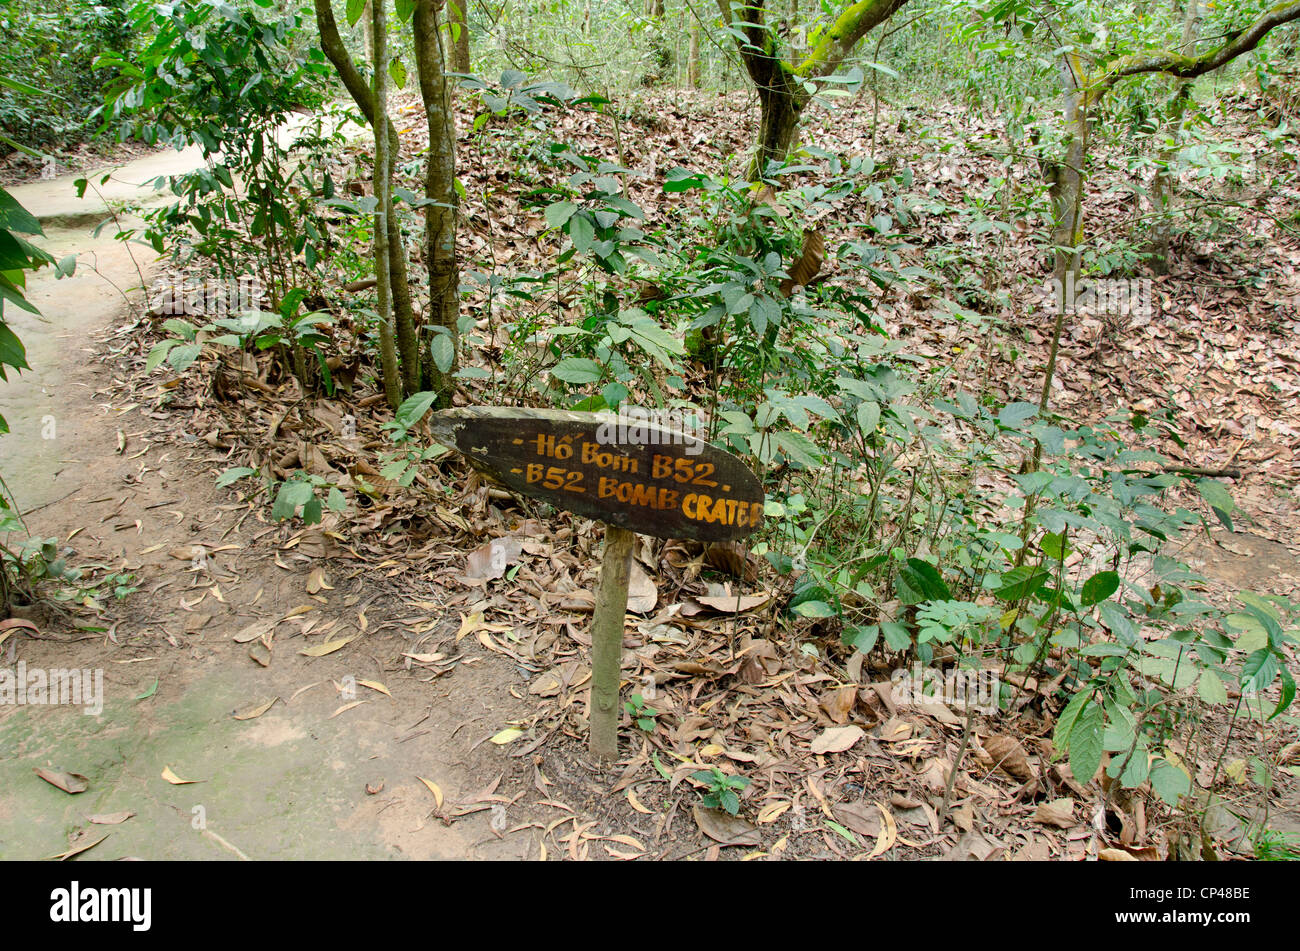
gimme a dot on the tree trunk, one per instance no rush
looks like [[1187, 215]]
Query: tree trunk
[[458, 17], [693, 57], [780, 104], [363, 95], [1163, 187], [1067, 209], [368, 34], [387, 352], [440, 190]]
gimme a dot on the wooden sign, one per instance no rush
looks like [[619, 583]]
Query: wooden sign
[[623, 471], [630, 474]]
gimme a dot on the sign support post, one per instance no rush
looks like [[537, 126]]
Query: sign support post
[[607, 641]]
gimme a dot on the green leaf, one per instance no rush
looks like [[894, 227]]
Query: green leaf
[[578, 370], [1259, 671], [397, 71], [1210, 688], [181, 357], [14, 217], [1113, 616], [558, 214], [1216, 494], [868, 416], [149, 692], [443, 350], [12, 351], [1069, 716], [896, 635], [354, 10], [234, 475], [843, 832], [1288, 692], [1019, 583], [413, 408], [925, 579], [1169, 781], [799, 449], [158, 353], [1013, 414], [290, 496], [814, 609], [861, 638], [1086, 742], [582, 230], [1100, 587]]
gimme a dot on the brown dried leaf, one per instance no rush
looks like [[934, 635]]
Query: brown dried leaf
[[725, 828], [1009, 756], [809, 264], [110, 818], [71, 783], [642, 593], [491, 560], [1058, 812], [837, 739]]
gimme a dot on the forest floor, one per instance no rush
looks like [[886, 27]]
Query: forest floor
[[423, 705]]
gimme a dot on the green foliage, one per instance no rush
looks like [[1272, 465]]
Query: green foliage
[[295, 335], [302, 494], [46, 52], [643, 714], [720, 790], [230, 81], [17, 256]]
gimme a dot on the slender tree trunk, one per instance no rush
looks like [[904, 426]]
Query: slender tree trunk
[[1164, 185], [1067, 208], [363, 95], [387, 351], [368, 33], [440, 190], [458, 17], [693, 57]]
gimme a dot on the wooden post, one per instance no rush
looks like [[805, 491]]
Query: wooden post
[[607, 641]]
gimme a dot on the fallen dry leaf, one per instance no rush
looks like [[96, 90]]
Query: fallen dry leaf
[[433, 788], [1058, 812], [175, 780], [110, 818], [726, 828], [69, 782], [252, 713], [1009, 756], [837, 739]]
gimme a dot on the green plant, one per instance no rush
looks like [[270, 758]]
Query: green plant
[[230, 81], [295, 336], [721, 791], [643, 714], [1274, 846], [302, 493]]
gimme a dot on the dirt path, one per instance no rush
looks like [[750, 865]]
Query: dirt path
[[331, 769]]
